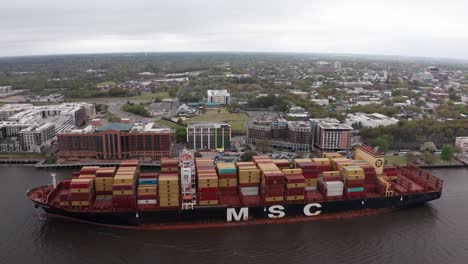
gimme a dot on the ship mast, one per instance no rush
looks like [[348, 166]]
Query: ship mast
[[187, 180]]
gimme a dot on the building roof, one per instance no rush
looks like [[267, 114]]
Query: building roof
[[115, 126], [218, 93], [208, 124]]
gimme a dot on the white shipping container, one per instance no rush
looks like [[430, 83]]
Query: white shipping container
[[311, 188], [151, 201]]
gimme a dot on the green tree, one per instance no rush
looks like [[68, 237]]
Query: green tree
[[263, 145], [383, 142], [428, 157], [428, 147], [447, 152], [247, 156], [181, 135]]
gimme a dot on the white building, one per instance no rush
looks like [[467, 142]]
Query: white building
[[370, 120], [10, 109], [462, 143], [36, 137], [320, 101], [219, 96], [5, 89], [28, 128]]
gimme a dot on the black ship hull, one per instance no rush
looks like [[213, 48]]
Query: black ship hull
[[216, 216]]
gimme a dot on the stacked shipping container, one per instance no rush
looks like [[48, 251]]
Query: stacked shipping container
[[123, 188], [227, 174], [82, 192], [354, 179], [207, 182], [271, 180], [147, 195], [249, 181], [104, 181], [310, 171], [168, 183]]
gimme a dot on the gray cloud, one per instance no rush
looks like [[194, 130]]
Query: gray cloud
[[417, 28]]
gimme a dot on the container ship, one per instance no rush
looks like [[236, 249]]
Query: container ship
[[191, 192]]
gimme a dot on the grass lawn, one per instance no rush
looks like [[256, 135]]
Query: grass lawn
[[21, 156], [236, 120], [106, 83], [150, 96], [402, 160], [395, 160], [168, 124]]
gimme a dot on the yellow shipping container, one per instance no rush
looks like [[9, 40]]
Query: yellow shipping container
[[227, 182], [326, 174], [80, 190], [295, 198], [274, 199], [295, 185], [122, 192], [64, 203], [321, 161], [168, 179], [302, 160], [79, 203], [170, 169], [104, 180], [311, 182], [355, 177], [352, 170], [148, 190], [163, 191], [166, 200], [124, 180], [249, 180], [208, 202], [249, 173]]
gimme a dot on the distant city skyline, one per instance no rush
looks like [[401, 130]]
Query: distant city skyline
[[400, 28]]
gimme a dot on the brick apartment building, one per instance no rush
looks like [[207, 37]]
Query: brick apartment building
[[116, 141]]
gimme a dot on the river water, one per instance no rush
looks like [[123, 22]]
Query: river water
[[434, 233]]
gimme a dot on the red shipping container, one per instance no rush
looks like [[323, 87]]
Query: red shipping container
[[103, 192], [295, 191], [248, 184], [391, 173], [273, 187], [66, 184], [294, 179], [337, 178], [147, 196], [227, 176], [79, 185], [354, 183], [75, 174], [227, 189], [149, 175], [207, 197]]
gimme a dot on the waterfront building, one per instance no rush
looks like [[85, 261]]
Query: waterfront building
[[116, 141], [209, 136], [328, 134]]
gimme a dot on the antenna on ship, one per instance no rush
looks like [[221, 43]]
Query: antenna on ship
[[54, 179]]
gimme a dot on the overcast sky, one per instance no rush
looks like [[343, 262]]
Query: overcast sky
[[398, 27]]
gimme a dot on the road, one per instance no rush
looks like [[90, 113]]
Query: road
[[115, 107]]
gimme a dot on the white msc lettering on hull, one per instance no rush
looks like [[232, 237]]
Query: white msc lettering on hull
[[276, 211], [242, 215], [307, 208]]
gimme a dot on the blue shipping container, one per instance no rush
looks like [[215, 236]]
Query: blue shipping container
[[356, 189]]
